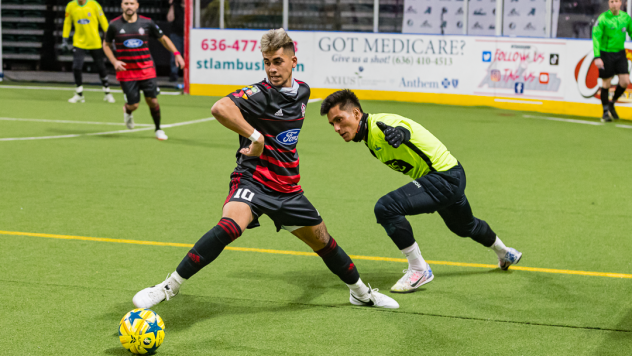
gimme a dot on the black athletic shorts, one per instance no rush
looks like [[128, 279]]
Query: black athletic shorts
[[132, 88], [613, 63], [79, 55], [289, 211]]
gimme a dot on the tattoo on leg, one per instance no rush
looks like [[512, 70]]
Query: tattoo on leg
[[321, 233]]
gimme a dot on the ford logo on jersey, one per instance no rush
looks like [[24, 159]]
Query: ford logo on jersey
[[83, 21], [133, 43], [289, 137]]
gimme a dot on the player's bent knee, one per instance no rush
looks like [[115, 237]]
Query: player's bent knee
[[384, 211]]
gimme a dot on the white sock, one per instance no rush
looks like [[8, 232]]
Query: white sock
[[106, 90], [499, 247], [360, 290], [415, 261], [176, 278], [79, 90]]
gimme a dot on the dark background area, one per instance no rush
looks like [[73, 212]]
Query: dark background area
[[32, 34]]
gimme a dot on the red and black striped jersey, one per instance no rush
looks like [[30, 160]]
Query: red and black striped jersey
[[277, 113], [131, 41]]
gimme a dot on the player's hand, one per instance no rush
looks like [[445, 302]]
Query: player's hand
[[119, 66], [395, 136], [599, 63], [66, 45], [180, 61], [255, 149]]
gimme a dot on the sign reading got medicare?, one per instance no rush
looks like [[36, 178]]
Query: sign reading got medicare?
[[547, 69]]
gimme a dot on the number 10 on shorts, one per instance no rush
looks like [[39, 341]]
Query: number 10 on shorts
[[244, 194]]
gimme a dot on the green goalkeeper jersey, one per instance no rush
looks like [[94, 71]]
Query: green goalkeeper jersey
[[609, 32], [422, 154]]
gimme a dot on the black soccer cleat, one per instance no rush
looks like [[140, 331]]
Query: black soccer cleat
[[612, 111], [606, 117]]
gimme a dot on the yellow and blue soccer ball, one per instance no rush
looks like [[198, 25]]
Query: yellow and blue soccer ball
[[142, 331]]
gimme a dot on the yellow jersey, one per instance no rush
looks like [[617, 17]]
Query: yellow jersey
[[422, 154], [86, 19]]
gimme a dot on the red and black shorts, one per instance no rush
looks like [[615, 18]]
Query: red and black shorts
[[288, 211], [132, 88]]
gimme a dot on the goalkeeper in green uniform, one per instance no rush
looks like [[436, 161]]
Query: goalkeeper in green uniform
[[609, 34], [438, 183]]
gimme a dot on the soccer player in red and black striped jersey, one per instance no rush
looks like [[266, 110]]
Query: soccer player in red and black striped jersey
[[134, 66], [268, 116]]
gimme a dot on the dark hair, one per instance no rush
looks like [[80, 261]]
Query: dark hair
[[344, 98]]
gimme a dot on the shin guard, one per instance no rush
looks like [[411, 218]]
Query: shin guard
[[209, 247], [339, 262]]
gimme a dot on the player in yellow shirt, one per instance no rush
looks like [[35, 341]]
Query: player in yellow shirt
[[438, 183], [85, 16]]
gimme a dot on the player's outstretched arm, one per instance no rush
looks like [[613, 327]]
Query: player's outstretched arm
[[166, 42], [229, 115]]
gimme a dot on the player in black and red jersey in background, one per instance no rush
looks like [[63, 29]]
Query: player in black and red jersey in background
[[134, 66], [268, 116]]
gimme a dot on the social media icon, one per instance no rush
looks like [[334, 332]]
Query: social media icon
[[519, 88], [487, 56], [544, 78]]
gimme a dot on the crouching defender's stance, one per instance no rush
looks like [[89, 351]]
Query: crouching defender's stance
[[438, 185], [268, 116]]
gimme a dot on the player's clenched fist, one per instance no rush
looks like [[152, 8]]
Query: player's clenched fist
[[395, 136]]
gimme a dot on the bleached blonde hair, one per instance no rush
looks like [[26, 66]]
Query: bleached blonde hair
[[275, 39]]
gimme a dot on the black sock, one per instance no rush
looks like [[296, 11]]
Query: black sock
[[604, 98], [106, 84], [78, 78], [155, 114], [339, 262], [400, 232], [617, 93], [209, 247]]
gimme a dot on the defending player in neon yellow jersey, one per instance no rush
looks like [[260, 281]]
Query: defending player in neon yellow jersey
[[438, 183], [86, 16], [609, 35]]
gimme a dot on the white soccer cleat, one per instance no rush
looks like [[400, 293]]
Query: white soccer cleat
[[109, 98], [512, 257], [153, 295], [128, 118], [77, 99], [376, 299], [161, 135], [412, 280]]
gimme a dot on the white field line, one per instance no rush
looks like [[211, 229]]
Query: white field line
[[70, 122], [314, 100], [624, 126], [73, 89], [107, 132], [565, 120]]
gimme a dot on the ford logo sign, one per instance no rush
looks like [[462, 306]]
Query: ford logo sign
[[133, 43], [83, 21], [289, 137]]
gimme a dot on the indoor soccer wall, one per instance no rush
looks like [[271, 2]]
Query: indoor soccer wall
[[542, 75]]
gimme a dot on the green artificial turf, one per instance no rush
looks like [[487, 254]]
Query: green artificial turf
[[557, 191]]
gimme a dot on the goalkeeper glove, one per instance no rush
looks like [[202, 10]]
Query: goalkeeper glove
[[395, 136], [65, 44]]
